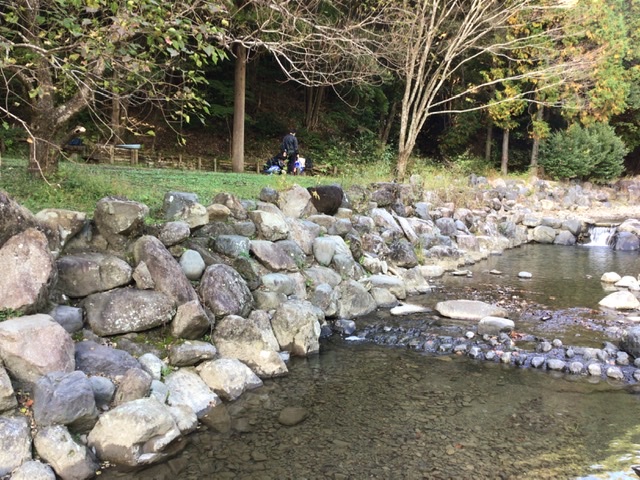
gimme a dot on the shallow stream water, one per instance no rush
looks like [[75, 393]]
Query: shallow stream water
[[395, 413]]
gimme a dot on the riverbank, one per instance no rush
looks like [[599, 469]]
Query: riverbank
[[119, 317]]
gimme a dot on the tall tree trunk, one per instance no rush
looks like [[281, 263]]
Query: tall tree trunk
[[402, 163], [388, 123], [313, 100], [43, 153], [504, 163], [489, 141], [535, 148], [237, 147]]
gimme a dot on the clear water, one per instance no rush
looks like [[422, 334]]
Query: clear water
[[394, 413]]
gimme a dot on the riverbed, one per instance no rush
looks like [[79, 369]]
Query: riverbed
[[376, 411]]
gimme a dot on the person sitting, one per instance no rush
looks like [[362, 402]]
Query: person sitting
[[274, 165], [299, 166]]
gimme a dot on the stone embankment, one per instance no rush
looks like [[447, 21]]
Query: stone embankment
[[120, 338]]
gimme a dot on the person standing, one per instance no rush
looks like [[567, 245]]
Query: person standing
[[290, 150]]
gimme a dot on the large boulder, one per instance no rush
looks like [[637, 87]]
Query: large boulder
[[69, 459], [14, 219], [95, 359], [622, 300], [295, 202], [126, 310], [33, 346], [66, 399], [354, 300], [119, 221], [138, 433], [326, 199], [228, 377], [252, 341], [66, 222], [225, 292], [15, 443], [296, 325], [186, 387], [28, 270], [82, 274], [165, 271]]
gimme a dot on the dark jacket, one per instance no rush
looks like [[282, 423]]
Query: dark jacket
[[290, 144]]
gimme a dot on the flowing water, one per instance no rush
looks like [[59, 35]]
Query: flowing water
[[395, 413]]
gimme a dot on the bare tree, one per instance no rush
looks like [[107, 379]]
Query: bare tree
[[431, 41]]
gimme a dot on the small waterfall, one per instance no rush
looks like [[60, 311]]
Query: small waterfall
[[600, 236]]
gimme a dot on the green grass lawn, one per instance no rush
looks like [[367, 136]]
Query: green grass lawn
[[78, 186]]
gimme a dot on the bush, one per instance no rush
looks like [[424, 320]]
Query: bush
[[593, 153]]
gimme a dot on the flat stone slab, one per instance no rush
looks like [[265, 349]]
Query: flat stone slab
[[408, 308], [469, 309]]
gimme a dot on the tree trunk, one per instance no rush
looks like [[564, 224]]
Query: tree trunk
[[237, 147], [505, 152], [388, 123], [535, 148], [489, 141], [313, 100], [401, 165], [44, 153]]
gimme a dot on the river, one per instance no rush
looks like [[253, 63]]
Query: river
[[392, 413]]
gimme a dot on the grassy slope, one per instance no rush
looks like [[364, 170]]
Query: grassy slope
[[79, 186]]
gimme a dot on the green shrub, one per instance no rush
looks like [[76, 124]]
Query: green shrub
[[593, 153]]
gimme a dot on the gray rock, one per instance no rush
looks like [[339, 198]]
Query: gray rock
[[190, 353], [270, 226], [15, 443], [82, 274], [127, 310], [103, 390], [175, 202], [191, 321], [138, 433], [228, 377], [272, 256], [134, 384], [69, 459], [296, 325], [469, 309], [192, 264], [614, 373], [27, 364], [69, 318], [174, 232], [290, 416], [232, 245], [33, 470], [225, 292], [28, 271], [555, 364], [354, 300], [119, 221], [65, 399], [95, 359], [537, 362], [8, 400], [167, 276], [494, 325], [187, 388], [251, 341], [623, 300]]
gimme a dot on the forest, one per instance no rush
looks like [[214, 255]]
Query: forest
[[547, 86]]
